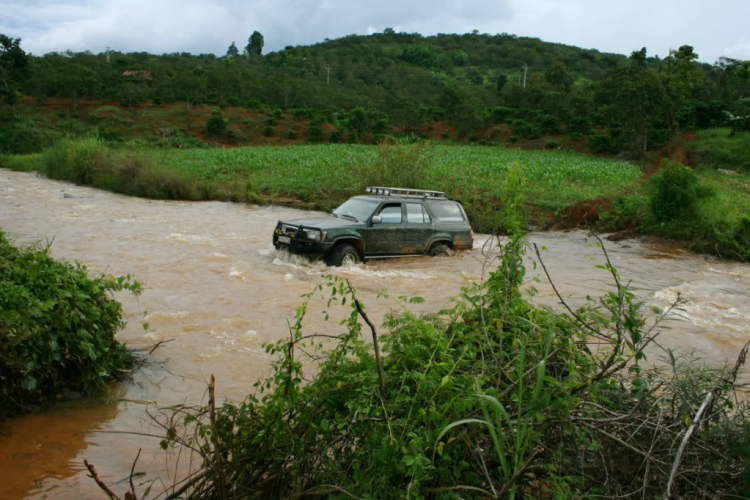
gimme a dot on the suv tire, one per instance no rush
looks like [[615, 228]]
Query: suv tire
[[343, 254], [440, 250]]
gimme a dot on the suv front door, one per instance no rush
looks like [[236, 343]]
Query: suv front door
[[387, 236]]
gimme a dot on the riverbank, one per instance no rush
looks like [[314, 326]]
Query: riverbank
[[562, 189]]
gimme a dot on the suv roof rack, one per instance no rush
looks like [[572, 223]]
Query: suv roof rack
[[417, 193]]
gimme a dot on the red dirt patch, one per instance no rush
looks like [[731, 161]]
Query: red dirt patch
[[585, 213]]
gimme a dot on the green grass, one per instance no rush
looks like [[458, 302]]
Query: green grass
[[555, 179], [714, 148]]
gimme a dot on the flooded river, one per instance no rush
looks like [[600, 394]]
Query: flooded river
[[215, 285]]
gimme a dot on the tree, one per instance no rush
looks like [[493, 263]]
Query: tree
[[634, 98], [681, 77], [217, 124], [559, 77], [13, 67], [232, 51], [255, 44]]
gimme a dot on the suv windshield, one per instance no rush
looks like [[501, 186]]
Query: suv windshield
[[358, 208]]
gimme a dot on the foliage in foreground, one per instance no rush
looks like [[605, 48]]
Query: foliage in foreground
[[492, 398], [57, 328]]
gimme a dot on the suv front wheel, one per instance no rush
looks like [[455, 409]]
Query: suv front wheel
[[343, 254]]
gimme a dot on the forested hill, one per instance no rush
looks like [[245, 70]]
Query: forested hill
[[379, 70], [473, 80]]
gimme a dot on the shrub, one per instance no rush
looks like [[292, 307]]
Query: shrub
[[527, 130], [253, 104], [468, 402], [675, 192], [552, 144], [315, 133], [271, 121], [335, 135], [580, 124], [278, 114], [269, 131], [216, 124], [57, 328], [550, 124], [290, 134], [602, 143]]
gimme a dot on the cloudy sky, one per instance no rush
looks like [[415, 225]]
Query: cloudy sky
[[713, 27]]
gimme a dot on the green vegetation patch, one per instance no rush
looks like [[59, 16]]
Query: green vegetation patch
[[557, 179], [720, 149], [57, 328]]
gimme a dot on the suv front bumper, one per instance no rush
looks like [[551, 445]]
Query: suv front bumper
[[300, 246]]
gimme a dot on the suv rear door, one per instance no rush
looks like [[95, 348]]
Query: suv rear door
[[419, 228]]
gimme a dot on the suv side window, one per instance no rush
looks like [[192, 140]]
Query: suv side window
[[391, 214], [416, 214], [447, 211]]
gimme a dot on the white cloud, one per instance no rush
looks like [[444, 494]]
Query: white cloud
[[200, 26]]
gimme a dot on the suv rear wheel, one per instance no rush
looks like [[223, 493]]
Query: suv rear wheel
[[343, 255], [440, 250]]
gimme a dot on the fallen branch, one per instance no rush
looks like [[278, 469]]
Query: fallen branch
[[374, 342], [101, 484], [132, 470], [158, 344], [215, 438], [683, 445]]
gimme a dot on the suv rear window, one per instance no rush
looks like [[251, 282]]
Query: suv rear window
[[447, 211]]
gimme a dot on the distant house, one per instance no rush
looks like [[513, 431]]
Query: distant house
[[138, 76]]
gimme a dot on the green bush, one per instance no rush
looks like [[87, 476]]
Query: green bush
[[493, 398], [57, 328], [602, 143], [216, 124], [335, 135], [718, 149], [315, 133], [290, 134], [527, 130], [269, 131], [675, 192]]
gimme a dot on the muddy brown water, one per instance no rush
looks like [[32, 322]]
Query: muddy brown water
[[215, 285]]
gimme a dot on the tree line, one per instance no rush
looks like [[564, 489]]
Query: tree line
[[628, 104]]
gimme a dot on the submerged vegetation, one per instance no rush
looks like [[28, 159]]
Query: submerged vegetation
[[494, 397], [57, 328]]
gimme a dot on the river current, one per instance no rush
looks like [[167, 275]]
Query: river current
[[215, 285]]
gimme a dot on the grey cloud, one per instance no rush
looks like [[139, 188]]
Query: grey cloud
[[201, 26]]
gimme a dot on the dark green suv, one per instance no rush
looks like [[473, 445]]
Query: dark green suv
[[384, 223]]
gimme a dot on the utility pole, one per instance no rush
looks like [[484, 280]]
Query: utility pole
[[107, 54], [328, 75], [525, 69]]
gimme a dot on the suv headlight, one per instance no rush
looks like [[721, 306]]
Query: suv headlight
[[315, 235]]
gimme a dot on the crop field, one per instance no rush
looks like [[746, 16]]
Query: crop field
[[554, 179]]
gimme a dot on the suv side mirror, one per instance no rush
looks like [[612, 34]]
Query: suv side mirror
[[376, 219]]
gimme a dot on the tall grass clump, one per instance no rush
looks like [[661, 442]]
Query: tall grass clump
[[89, 161], [397, 165], [57, 328]]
